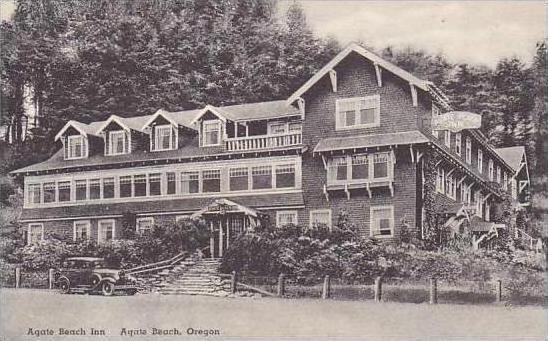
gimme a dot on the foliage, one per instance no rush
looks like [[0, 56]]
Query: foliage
[[129, 223]]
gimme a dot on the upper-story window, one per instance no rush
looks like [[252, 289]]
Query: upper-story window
[[491, 170], [447, 138], [499, 176], [212, 133], [468, 154], [358, 112], [118, 142], [34, 193], [480, 160], [360, 168], [505, 181], [75, 147], [163, 138], [458, 143]]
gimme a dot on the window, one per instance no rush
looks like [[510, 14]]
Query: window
[[468, 155], [171, 186], [238, 179], [95, 189], [440, 180], [108, 187], [140, 185], [75, 147], [182, 217], [154, 184], [447, 138], [505, 181], [212, 133], [81, 189], [358, 112], [64, 190], [117, 142], [360, 167], [491, 170], [163, 137], [338, 168], [35, 233], [480, 160], [487, 212], [125, 186], [382, 221], [34, 193], [261, 177], [211, 181], [320, 217], [458, 143], [277, 128], [295, 127], [380, 165], [499, 176], [49, 192], [105, 231], [285, 176], [144, 225], [286, 217], [190, 182], [451, 186], [81, 230]]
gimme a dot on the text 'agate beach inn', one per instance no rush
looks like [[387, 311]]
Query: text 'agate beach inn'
[[351, 139]]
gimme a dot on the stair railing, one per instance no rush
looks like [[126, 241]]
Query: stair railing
[[165, 264]]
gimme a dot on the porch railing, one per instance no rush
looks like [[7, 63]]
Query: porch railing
[[263, 141]]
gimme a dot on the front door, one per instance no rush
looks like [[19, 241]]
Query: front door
[[224, 229]]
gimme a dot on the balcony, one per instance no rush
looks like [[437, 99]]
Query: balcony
[[263, 141]]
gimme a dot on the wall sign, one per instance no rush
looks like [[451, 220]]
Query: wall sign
[[456, 121]]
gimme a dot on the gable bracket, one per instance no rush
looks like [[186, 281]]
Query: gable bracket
[[301, 104], [378, 73], [414, 94], [333, 77]]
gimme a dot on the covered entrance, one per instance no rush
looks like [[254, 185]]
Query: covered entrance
[[226, 220]]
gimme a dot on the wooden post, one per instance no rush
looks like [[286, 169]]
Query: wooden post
[[233, 282], [281, 285], [326, 287], [433, 291], [211, 241], [50, 278], [498, 288], [378, 289], [17, 277]]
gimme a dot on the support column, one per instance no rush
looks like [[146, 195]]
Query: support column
[[211, 240], [227, 232], [220, 237]]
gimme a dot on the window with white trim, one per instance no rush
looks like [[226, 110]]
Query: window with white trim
[[49, 192], [64, 189], [211, 133], [75, 147], [155, 184], [108, 187], [505, 181], [94, 189], [140, 185], [468, 152], [211, 180], [480, 160], [380, 165], [118, 142], [491, 170], [34, 193], [382, 221], [285, 176], [190, 182], [163, 137], [171, 183], [360, 166], [277, 128], [81, 230], [106, 230], [126, 186], [181, 217], [81, 189], [447, 138], [458, 143], [144, 225], [338, 168], [286, 217], [440, 180], [261, 177], [451, 187], [238, 179], [499, 175], [35, 233], [320, 217], [358, 112]]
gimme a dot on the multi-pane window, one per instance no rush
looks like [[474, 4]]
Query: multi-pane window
[[360, 167], [458, 143], [171, 183], [190, 182], [447, 138], [125, 186], [64, 190], [212, 133], [339, 168], [499, 176], [238, 179], [117, 142], [154, 184], [450, 186], [49, 192], [440, 180], [95, 189], [144, 225], [81, 230], [357, 112], [75, 147], [505, 181], [286, 218], [34, 193], [380, 165], [81, 189], [140, 185], [35, 233], [105, 231], [285, 176], [211, 180], [320, 217], [480, 160], [468, 152], [382, 221], [491, 170], [108, 187], [261, 177], [163, 138]]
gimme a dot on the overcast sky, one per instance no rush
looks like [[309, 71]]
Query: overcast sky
[[465, 31]]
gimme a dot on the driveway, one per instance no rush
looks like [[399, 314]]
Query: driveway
[[46, 315]]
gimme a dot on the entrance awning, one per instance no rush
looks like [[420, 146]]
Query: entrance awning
[[224, 206]]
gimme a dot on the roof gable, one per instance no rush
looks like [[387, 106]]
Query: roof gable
[[513, 156], [82, 128]]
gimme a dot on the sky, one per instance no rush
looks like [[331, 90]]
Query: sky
[[476, 32]]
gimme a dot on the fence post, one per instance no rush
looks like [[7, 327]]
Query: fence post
[[326, 287], [17, 277], [378, 289], [498, 287], [281, 285], [50, 278], [433, 291], [233, 282]]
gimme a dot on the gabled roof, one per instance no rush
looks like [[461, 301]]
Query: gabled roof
[[372, 140], [114, 118], [512, 155], [396, 70], [82, 128], [183, 118]]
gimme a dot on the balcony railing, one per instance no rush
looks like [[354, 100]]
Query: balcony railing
[[263, 141]]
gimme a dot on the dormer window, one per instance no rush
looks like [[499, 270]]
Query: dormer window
[[75, 147], [117, 142], [163, 138], [211, 133]]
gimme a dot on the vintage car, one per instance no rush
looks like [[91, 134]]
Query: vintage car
[[90, 275]]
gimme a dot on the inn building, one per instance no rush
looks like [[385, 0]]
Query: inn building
[[352, 139]]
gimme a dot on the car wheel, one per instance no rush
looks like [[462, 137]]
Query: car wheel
[[64, 286], [107, 288]]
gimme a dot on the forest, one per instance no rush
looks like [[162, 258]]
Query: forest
[[86, 60]]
